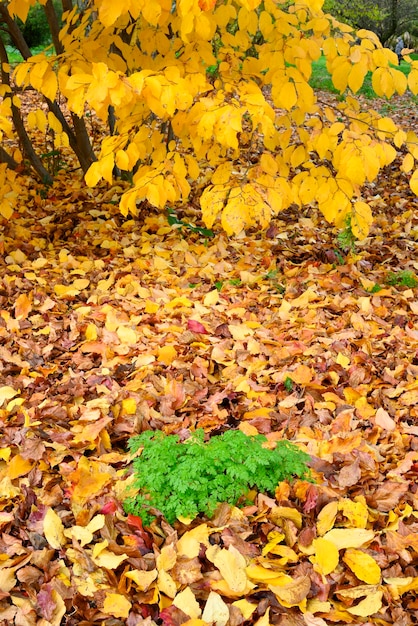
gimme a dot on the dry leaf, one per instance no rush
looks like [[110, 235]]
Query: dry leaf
[[54, 530]]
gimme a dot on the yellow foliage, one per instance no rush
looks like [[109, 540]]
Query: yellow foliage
[[188, 91]]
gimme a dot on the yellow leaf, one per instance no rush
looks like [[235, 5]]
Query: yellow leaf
[[387, 125], [5, 453], [356, 513], [400, 81], [240, 332], [6, 393], [211, 298], [222, 174], [166, 584], [127, 336], [151, 307], [54, 530], [292, 593], [108, 559], [189, 543], [7, 579], [212, 202], [298, 156], [7, 489], [407, 163], [357, 76], [88, 480], [326, 556], [19, 8], [304, 299], [284, 95], [383, 83], [91, 332], [166, 354], [18, 466], [84, 534], [167, 558], [274, 538], [286, 512], [268, 164], [343, 360], [246, 608], [399, 586], [71, 290], [143, 579], [363, 565], [117, 605], [231, 565], [349, 537], [413, 183], [49, 85], [369, 606], [216, 611], [340, 75], [152, 12], [413, 80], [245, 207], [180, 301], [361, 220], [129, 406], [186, 602]]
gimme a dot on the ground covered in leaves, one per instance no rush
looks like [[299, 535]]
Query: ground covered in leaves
[[111, 327]]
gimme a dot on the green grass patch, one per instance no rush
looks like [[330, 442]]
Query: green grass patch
[[15, 57], [321, 78]]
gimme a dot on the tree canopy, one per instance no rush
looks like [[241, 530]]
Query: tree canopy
[[206, 98]]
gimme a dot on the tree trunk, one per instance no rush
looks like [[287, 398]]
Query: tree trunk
[[24, 139]]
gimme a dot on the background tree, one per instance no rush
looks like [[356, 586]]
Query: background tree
[[208, 95], [386, 18]]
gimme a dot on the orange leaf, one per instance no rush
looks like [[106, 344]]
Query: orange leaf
[[23, 306], [18, 466]]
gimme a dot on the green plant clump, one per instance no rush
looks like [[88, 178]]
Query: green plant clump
[[185, 479], [404, 278]]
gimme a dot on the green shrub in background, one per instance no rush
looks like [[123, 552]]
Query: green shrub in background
[[36, 30], [185, 479]]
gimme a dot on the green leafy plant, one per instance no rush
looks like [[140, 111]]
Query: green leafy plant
[[173, 220], [375, 289], [272, 276], [185, 479], [288, 384], [346, 239], [405, 278]]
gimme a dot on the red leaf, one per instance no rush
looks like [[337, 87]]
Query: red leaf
[[135, 521], [108, 508], [196, 327]]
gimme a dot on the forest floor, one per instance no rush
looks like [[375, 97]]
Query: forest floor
[[109, 327]]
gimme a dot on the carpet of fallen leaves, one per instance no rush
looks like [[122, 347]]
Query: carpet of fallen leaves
[[109, 327]]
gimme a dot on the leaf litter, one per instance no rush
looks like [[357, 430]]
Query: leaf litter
[[111, 327]]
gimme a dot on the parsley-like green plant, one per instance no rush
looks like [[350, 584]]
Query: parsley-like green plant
[[194, 476], [346, 239], [404, 278]]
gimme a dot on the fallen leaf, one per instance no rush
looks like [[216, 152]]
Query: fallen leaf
[[216, 611], [54, 530], [349, 537], [117, 605], [363, 565]]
